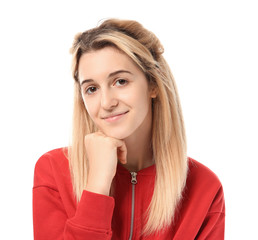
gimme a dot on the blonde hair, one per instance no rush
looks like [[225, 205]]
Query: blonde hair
[[168, 132]]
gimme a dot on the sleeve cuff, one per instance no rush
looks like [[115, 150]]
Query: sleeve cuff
[[94, 210]]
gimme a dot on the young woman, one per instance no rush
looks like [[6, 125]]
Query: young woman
[[126, 174]]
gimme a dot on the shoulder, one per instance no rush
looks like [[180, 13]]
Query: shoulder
[[53, 157], [200, 174], [48, 164], [204, 187], [202, 208]]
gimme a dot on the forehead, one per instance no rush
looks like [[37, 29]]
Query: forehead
[[100, 63]]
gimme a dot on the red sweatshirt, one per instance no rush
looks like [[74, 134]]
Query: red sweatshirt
[[57, 215]]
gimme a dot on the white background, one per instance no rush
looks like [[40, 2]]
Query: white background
[[211, 47]]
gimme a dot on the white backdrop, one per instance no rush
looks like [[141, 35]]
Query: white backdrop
[[211, 47]]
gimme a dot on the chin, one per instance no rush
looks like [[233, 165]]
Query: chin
[[118, 134]]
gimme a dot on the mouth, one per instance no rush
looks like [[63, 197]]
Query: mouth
[[115, 117]]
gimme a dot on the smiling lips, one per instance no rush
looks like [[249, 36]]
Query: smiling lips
[[115, 117]]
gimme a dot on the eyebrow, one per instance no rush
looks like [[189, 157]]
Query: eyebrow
[[109, 76]]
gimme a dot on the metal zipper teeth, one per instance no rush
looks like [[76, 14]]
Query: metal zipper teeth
[[133, 181]]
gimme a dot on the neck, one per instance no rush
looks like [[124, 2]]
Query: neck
[[139, 147]]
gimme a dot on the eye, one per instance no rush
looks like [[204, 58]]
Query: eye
[[121, 82], [90, 90]]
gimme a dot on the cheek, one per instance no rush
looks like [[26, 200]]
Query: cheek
[[90, 108], [142, 99], [135, 96]]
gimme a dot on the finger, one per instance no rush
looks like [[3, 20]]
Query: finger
[[121, 151]]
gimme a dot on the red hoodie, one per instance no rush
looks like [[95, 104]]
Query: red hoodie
[[57, 216]]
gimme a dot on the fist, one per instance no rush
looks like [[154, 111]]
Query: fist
[[103, 153]]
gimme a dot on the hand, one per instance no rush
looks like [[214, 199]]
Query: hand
[[103, 153]]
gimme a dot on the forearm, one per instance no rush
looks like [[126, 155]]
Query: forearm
[[92, 219]]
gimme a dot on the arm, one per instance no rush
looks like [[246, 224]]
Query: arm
[[90, 220], [93, 222]]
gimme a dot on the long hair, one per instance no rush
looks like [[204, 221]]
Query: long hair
[[168, 132]]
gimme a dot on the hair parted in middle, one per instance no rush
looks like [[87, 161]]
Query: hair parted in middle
[[168, 131]]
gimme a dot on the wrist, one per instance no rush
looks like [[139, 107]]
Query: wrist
[[98, 186]]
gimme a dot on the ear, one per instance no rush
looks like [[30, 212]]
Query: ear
[[153, 92]]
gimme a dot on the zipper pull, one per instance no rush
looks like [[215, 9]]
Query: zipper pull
[[133, 179]]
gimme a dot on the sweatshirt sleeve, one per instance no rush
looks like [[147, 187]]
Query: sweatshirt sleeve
[[213, 226], [92, 219]]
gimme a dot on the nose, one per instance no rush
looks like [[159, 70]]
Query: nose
[[108, 100]]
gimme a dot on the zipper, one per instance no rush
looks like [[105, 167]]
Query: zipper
[[133, 181]]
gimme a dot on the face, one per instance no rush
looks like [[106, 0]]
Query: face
[[115, 92]]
